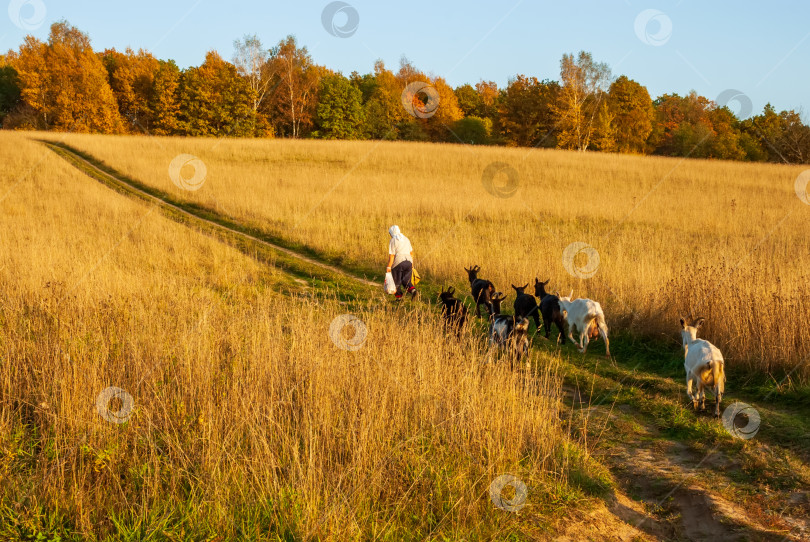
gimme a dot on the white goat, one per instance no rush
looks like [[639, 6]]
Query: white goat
[[587, 316], [704, 367]]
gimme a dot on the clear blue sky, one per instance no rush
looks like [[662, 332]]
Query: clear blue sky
[[759, 48]]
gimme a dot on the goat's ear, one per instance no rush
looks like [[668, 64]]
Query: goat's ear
[[683, 323], [477, 268], [536, 280], [525, 286], [515, 287], [699, 322], [571, 295], [547, 281], [451, 290]]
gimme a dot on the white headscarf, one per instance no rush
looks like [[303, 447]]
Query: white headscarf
[[393, 231]]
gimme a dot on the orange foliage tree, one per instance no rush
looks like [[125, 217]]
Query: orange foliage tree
[[294, 83], [65, 82]]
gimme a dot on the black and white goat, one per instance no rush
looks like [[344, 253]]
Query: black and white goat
[[508, 332]]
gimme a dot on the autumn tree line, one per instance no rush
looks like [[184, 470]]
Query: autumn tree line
[[64, 85]]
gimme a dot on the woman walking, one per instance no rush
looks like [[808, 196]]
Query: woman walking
[[400, 261]]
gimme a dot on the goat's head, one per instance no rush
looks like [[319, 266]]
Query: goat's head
[[447, 295], [520, 289], [472, 273], [497, 298], [566, 299], [689, 331], [540, 288]]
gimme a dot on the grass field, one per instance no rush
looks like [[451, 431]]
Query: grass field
[[248, 419], [723, 240]]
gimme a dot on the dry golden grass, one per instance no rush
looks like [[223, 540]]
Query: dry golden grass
[[248, 421], [723, 240]]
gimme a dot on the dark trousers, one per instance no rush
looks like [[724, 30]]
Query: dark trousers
[[402, 275]]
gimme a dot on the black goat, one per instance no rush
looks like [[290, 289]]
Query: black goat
[[526, 305], [453, 310], [497, 298], [549, 308], [482, 290]]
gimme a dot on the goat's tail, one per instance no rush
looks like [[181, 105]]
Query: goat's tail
[[603, 331]]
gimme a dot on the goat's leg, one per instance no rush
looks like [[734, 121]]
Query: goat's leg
[[689, 391], [561, 327], [702, 394], [603, 331], [717, 398], [571, 337], [583, 338]]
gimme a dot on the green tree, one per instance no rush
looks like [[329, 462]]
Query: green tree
[[765, 129], [339, 113], [164, 99], [383, 109], [215, 101], [604, 132], [525, 112], [473, 130], [9, 89], [469, 101], [366, 84], [725, 139], [633, 113]]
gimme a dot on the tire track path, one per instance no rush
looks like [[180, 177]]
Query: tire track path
[[213, 221]]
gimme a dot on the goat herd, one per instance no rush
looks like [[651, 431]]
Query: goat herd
[[703, 362]]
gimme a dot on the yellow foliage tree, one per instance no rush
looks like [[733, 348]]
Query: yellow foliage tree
[[132, 77], [584, 85]]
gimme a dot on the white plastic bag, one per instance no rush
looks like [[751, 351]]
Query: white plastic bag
[[390, 287]]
